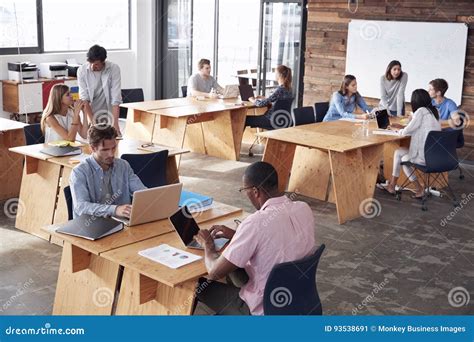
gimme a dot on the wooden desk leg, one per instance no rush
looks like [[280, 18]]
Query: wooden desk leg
[[11, 164], [169, 131], [139, 125], [280, 154], [310, 173], [60, 213], [172, 173], [223, 135], [140, 295], [38, 199], [90, 290], [354, 174]]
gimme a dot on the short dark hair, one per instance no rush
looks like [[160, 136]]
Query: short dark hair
[[421, 98], [97, 134], [388, 72], [440, 85], [96, 53], [262, 175], [202, 62]]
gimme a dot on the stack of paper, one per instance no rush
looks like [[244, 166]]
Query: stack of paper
[[169, 256], [64, 143]]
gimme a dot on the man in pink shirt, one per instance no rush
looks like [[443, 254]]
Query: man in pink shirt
[[279, 231]]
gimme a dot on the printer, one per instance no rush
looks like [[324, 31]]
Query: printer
[[53, 70], [19, 71]]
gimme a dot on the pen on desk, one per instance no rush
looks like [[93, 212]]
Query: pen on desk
[[237, 221]]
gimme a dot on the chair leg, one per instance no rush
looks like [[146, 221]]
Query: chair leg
[[461, 174], [251, 146], [451, 192]]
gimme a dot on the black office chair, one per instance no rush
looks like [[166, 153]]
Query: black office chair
[[149, 167], [129, 96], [440, 156], [279, 117], [184, 91], [33, 134], [321, 110], [68, 197], [460, 144], [291, 287], [303, 116]]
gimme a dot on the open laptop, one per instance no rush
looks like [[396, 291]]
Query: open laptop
[[186, 227], [246, 91], [153, 204], [230, 92], [383, 120]]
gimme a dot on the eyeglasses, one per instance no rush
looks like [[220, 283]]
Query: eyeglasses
[[246, 188]]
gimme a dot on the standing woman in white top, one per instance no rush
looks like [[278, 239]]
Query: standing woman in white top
[[61, 121], [425, 119], [392, 89]]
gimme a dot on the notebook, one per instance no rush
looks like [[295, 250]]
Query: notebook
[[194, 201], [90, 227], [64, 143], [169, 256], [56, 151]]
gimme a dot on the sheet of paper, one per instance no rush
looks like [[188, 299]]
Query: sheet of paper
[[169, 256], [351, 120]]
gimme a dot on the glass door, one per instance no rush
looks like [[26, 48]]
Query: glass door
[[281, 28]]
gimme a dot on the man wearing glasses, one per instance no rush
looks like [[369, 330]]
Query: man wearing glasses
[[279, 231]]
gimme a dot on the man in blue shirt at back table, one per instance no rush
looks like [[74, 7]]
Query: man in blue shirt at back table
[[103, 185], [437, 88]]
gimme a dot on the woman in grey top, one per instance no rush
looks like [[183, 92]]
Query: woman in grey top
[[425, 119], [392, 89]]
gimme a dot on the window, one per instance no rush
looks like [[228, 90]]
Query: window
[[203, 32], [75, 25], [238, 38], [18, 24], [66, 25]]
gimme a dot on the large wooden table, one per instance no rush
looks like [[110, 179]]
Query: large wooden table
[[211, 126], [11, 164], [90, 274], [41, 199], [329, 161]]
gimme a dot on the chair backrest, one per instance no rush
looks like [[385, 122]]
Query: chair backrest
[[303, 116], [440, 151], [184, 91], [281, 114], [291, 287], [149, 167], [460, 142], [130, 95], [33, 134], [68, 197], [321, 110]]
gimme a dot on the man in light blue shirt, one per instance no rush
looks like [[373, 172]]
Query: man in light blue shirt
[[103, 185], [437, 88]]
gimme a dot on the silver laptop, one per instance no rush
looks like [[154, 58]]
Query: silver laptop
[[230, 92], [153, 204]]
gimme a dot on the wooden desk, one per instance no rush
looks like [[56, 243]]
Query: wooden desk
[[44, 178], [211, 126], [11, 164], [330, 161], [149, 288], [88, 282]]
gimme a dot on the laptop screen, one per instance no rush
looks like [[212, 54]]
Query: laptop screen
[[383, 120], [185, 225], [246, 91]]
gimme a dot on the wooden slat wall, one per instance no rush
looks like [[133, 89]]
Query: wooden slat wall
[[326, 36]]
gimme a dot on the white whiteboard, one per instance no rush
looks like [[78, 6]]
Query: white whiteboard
[[425, 50]]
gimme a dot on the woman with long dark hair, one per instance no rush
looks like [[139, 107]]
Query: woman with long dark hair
[[425, 119], [282, 92], [392, 89], [345, 101]]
